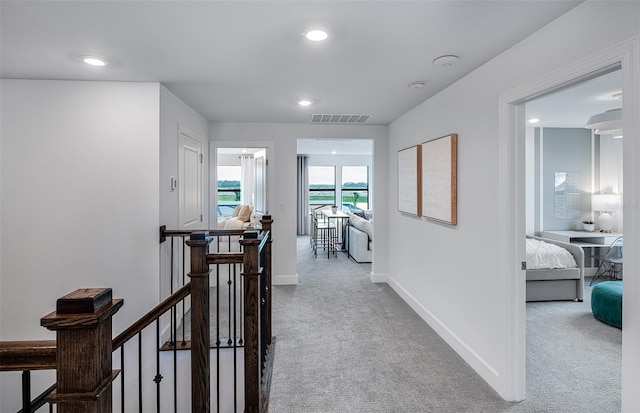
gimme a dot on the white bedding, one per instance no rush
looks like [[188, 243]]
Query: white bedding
[[541, 255]]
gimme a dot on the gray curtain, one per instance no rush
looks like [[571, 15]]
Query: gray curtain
[[303, 195]]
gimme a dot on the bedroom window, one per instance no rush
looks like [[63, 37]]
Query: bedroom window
[[322, 185], [355, 188], [229, 178]]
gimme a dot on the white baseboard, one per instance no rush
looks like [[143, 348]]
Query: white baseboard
[[284, 279], [483, 368], [378, 277]]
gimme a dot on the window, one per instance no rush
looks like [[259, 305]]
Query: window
[[355, 188], [228, 189], [322, 185]]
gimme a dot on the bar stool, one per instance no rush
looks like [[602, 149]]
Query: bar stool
[[324, 234]]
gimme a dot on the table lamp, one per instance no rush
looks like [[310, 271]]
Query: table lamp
[[605, 203]]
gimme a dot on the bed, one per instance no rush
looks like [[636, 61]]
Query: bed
[[554, 273]]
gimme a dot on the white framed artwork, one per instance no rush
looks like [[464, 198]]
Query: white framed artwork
[[439, 179], [409, 180]]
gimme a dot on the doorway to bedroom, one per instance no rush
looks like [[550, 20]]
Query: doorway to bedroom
[[238, 185], [572, 159]]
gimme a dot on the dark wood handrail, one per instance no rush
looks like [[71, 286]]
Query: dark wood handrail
[[27, 355], [151, 316], [212, 232], [41, 354], [225, 258]]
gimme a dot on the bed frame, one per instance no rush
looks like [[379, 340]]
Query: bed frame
[[557, 284]]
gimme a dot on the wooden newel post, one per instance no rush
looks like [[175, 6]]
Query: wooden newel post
[[252, 357], [200, 340], [82, 322], [266, 227]]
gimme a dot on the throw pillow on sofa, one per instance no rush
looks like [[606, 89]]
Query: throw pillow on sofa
[[362, 224]]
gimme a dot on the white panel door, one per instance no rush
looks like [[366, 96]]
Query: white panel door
[[190, 182]]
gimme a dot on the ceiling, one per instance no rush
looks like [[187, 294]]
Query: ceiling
[[572, 107], [247, 61]]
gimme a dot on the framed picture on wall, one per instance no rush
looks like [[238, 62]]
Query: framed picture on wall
[[439, 179], [409, 180]]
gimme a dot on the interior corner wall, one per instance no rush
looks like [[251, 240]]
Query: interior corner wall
[[175, 114], [80, 200], [283, 167], [448, 273]]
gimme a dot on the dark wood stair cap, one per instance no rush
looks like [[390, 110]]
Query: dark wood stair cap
[[84, 301]]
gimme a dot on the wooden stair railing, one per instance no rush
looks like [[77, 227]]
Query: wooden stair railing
[[258, 342], [27, 356], [82, 322], [82, 352]]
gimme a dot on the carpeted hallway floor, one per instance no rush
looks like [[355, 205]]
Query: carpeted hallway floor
[[347, 345]]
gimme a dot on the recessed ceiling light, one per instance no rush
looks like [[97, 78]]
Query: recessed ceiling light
[[94, 60], [305, 102], [333, 152], [446, 61], [534, 120], [316, 35]]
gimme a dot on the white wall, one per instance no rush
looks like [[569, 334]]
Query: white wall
[[565, 150], [454, 284], [611, 177], [283, 166], [174, 115], [80, 202]]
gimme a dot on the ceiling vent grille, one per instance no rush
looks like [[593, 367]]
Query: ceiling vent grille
[[339, 118]]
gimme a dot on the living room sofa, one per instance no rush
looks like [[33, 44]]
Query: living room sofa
[[360, 238]]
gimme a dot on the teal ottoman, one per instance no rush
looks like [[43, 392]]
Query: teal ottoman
[[606, 302]]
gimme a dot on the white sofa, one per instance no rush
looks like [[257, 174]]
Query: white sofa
[[360, 238]]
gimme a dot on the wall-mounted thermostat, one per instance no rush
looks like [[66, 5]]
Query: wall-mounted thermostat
[[174, 184]]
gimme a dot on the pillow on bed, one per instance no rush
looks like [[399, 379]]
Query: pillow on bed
[[541, 254], [245, 213]]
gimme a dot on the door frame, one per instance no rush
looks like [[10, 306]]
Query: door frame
[[511, 196], [213, 163]]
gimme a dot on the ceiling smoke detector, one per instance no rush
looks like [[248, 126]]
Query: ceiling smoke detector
[[446, 61]]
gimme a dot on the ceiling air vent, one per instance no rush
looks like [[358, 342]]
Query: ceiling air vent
[[339, 119]]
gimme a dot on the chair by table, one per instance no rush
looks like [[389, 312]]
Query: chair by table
[[610, 261]]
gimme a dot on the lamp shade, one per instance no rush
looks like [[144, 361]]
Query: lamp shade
[[605, 202]]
